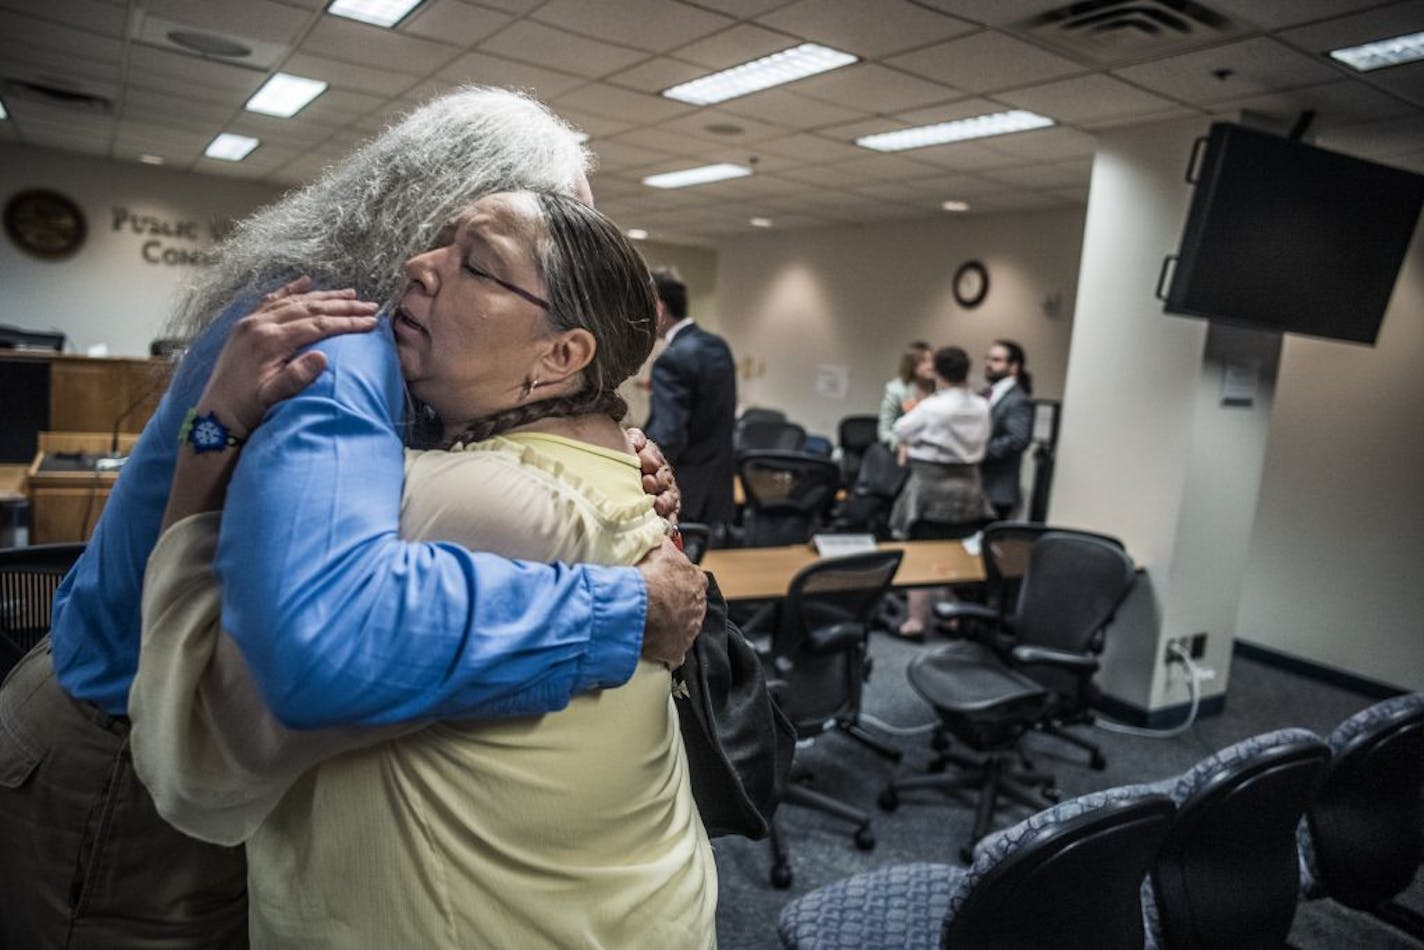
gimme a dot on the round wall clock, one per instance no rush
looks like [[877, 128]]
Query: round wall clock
[[45, 223], [971, 284]]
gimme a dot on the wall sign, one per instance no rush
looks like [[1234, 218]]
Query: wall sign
[[162, 237], [45, 223]]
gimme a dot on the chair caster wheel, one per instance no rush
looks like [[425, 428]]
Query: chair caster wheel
[[889, 799], [1052, 793], [966, 855], [780, 877], [864, 840], [1097, 762]]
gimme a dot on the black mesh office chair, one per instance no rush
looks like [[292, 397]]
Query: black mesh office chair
[[818, 661], [1227, 873], [695, 539], [759, 435], [1361, 841], [1067, 877], [1005, 550], [854, 435], [788, 496], [878, 483], [988, 699], [29, 577]]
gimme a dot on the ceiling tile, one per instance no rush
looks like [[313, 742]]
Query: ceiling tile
[[654, 25], [101, 18], [741, 44], [1334, 104], [655, 75], [453, 22], [261, 20], [986, 62], [944, 187], [789, 109], [29, 31], [1045, 145], [336, 37], [964, 156], [812, 149], [963, 109], [155, 68], [992, 12], [594, 125], [545, 46], [656, 139], [1252, 67], [154, 106], [697, 124], [1043, 176], [827, 176], [339, 106], [875, 167], [1277, 14], [1405, 81], [870, 28], [512, 6], [379, 82], [50, 68], [491, 70], [1377, 139], [63, 137], [1087, 98], [875, 88], [636, 107], [615, 154], [850, 131]]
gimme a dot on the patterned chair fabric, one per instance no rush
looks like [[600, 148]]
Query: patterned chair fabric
[[915, 905], [1380, 717], [1205, 774]]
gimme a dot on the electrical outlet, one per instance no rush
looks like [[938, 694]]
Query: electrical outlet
[[1170, 655], [1198, 646]]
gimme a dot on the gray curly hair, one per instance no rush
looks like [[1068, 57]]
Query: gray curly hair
[[366, 215]]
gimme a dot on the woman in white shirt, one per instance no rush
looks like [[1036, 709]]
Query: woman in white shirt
[[944, 437]]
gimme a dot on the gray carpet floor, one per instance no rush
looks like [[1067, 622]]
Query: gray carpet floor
[[931, 825]]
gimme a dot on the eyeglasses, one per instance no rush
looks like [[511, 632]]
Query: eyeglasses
[[512, 288]]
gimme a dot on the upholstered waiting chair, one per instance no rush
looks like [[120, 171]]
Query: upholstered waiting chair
[[1067, 877], [788, 495], [818, 662], [1362, 839], [28, 579], [1226, 875], [988, 699]]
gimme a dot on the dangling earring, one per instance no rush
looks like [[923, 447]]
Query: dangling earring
[[530, 385]]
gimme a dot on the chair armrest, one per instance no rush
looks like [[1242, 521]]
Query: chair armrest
[[837, 638], [1072, 661], [954, 609]]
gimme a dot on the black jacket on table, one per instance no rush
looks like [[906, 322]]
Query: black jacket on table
[[694, 408], [1012, 418]]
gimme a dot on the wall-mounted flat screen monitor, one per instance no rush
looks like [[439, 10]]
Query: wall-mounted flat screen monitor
[[1286, 236]]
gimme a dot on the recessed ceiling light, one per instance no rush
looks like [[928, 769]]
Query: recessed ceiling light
[[760, 222], [1382, 53], [697, 176], [638, 234], [231, 148], [789, 65], [386, 13], [977, 127], [284, 95], [151, 159], [955, 206]]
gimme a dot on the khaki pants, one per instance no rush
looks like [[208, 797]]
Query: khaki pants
[[85, 860]]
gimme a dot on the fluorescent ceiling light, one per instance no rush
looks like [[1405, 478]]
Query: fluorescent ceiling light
[[285, 95], [697, 176], [386, 13], [151, 159], [789, 65], [638, 234], [1382, 53], [978, 127], [955, 206], [230, 148], [759, 222]]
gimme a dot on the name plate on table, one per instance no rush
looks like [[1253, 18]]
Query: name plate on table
[[840, 545]]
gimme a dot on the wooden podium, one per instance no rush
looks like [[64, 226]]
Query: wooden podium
[[65, 504]]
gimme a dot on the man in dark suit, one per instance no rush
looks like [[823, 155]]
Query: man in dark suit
[[694, 406], [1011, 412]]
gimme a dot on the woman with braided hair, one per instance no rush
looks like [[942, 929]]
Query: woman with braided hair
[[575, 828]]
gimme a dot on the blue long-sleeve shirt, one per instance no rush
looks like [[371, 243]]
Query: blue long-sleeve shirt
[[340, 620]]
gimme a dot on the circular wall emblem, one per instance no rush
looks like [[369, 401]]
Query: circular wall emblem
[[45, 223]]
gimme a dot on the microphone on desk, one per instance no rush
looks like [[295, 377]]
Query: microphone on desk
[[114, 460]]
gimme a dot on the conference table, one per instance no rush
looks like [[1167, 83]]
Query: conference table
[[761, 573]]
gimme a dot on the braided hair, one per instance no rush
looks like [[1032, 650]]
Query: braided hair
[[596, 281]]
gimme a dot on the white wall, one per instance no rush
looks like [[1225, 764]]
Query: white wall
[[854, 296], [107, 292], [1335, 556]]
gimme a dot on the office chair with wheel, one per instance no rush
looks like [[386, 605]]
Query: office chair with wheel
[[867, 509], [788, 496], [1227, 873], [1362, 838], [817, 663], [1004, 550], [854, 435], [760, 435], [29, 577], [1068, 877], [988, 699]]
